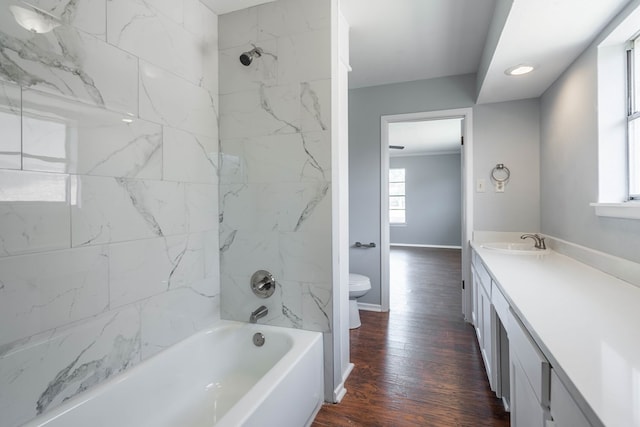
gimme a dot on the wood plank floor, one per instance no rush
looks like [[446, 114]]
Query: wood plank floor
[[419, 364]]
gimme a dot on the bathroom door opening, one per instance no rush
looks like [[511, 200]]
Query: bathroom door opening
[[396, 129]]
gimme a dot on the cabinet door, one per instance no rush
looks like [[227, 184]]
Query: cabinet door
[[526, 411], [564, 409], [487, 336], [477, 306], [474, 308], [533, 363]]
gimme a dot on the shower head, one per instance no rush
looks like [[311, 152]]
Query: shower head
[[247, 57]]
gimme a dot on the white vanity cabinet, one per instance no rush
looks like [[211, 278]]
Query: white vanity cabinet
[[564, 409], [484, 317], [517, 370], [545, 376], [530, 376], [502, 366]]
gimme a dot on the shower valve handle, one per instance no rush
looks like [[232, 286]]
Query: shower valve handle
[[263, 284]]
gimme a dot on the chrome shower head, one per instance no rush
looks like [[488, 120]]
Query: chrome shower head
[[247, 57]]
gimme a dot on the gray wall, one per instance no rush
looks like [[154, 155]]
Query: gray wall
[[433, 200], [500, 134], [508, 133], [569, 171], [366, 105]]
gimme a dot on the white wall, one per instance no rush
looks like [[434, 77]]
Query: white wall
[[108, 237], [433, 189], [569, 164], [277, 145], [275, 132], [340, 217]]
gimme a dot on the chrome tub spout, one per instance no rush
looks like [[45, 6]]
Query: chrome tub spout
[[259, 313]]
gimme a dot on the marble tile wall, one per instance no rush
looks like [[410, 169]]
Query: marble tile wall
[[109, 246], [275, 171]]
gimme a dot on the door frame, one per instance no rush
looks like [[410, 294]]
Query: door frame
[[466, 155]]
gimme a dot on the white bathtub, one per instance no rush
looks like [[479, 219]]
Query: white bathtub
[[216, 377]]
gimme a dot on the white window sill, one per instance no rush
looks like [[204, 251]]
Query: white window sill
[[628, 210]]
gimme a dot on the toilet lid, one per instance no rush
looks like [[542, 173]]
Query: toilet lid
[[358, 280]]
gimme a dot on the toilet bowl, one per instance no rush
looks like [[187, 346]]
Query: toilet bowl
[[358, 286]]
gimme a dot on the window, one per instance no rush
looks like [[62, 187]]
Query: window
[[619, 140], [397, 214], [633, 118]]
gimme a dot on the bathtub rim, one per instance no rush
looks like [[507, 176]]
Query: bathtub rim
[[259, 393], [237, 414]]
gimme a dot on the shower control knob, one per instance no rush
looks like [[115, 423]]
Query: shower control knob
[[263, 284]]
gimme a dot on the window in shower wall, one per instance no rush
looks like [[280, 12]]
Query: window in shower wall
[[397, 213]]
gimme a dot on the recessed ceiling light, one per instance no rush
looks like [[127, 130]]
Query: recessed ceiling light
[[519, 70], [127, 120]]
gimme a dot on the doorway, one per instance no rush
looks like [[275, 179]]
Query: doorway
[[390, 126]]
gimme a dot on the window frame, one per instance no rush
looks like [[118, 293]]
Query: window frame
[[633, 115], [611, 77], [404, 196]]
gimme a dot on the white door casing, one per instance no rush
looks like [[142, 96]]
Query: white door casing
[[466, 155]]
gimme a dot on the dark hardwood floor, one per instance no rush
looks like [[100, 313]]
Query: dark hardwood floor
[[419, 364]]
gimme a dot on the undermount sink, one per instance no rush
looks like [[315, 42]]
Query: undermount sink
[[514, 248]]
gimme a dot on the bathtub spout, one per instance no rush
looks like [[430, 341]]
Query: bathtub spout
[[259, 313]]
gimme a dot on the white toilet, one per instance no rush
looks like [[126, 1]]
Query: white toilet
[[358, 286]]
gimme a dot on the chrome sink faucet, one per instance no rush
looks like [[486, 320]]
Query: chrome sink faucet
[[259, 313], [537, 238]]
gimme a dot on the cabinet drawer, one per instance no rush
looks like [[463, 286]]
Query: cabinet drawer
[[534, 365], [501, 305]]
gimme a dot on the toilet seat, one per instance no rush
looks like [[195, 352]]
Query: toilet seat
[[359, 283]]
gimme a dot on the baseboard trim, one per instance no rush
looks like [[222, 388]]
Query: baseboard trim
[[347, 372], [505, 403], [411, 245], [369, 307], [339, 393]]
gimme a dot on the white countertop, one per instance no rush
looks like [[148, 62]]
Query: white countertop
[[585, 321]]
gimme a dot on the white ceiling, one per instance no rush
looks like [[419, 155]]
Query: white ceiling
[[549, 34], [408, 40], [431, 136], [404, 40]]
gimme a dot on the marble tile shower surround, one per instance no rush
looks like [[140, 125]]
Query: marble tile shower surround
[[275, 170], [109, 245]]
